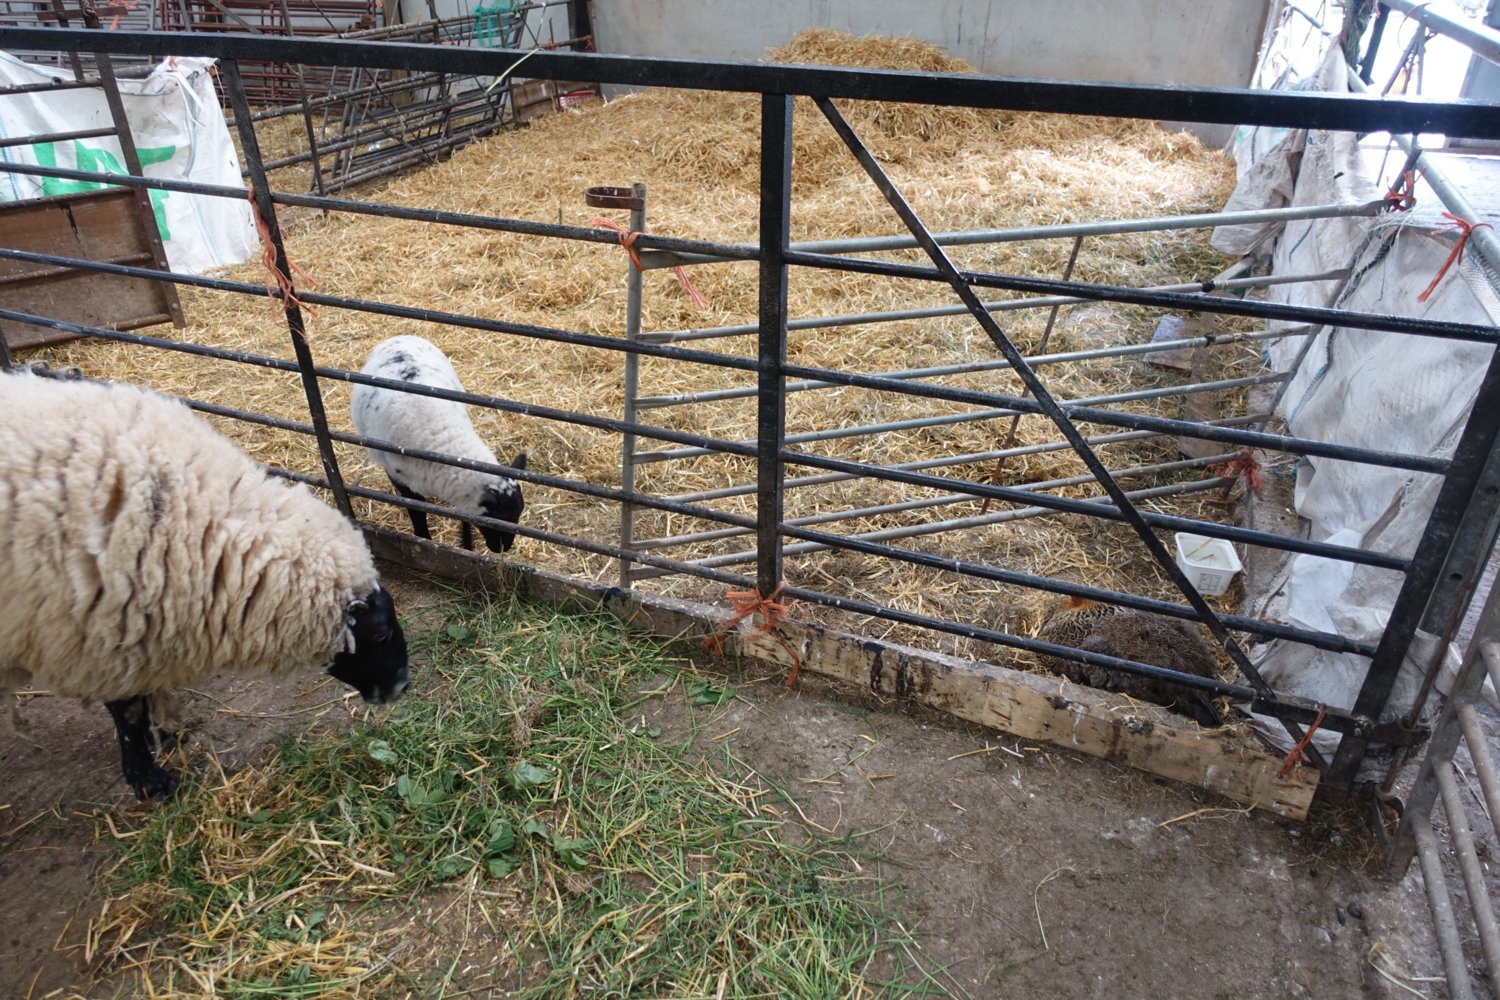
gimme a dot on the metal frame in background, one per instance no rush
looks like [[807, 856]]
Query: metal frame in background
[[771, 451], [375, 122]]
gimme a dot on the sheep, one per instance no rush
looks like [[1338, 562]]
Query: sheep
[[431, 424], [143, 551], [1132, 635]]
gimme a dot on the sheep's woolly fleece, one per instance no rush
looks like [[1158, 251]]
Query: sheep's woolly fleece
[[440, 425], [144, 550]]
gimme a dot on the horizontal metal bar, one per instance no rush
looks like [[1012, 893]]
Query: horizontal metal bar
[[1068, 289], [830, 517], [949, 460], [940, 527], [870, 544], [949, 419], [1254, 439], [436, 216], [1213, 105], [359, 378], [1391, 323], [712, 359], [995, 364], [1136, 421], [32, 140], [1061, 230], [1106, 511], [491, 402], [528, 476]]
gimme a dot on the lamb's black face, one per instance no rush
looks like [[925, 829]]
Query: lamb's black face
[[377, 667], [503, 505]]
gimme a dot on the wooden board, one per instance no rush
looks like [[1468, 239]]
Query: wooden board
[[102, 225], [1029, 705]]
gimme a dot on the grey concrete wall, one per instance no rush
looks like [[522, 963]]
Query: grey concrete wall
[[1186, 42]]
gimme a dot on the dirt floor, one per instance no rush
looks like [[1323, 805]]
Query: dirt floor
[[1028, 871]]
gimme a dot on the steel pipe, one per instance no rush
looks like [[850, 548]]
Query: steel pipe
[[1444, 924], [1468, 864]]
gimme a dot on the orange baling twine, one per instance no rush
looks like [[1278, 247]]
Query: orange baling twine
[[1294, 755], [772, 612], [278, 277], [627, 240], [1244, 466], [1463, 228], [1403, 194]]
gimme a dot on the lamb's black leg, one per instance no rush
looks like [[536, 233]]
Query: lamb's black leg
[[466, 535], [418, 517], [133, 726]]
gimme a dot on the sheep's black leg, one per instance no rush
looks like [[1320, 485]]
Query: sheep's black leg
[[133, 726], [418, 517], [466, 535]]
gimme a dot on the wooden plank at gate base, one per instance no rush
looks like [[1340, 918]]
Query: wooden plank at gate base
[[1029, 705], [103, 226]]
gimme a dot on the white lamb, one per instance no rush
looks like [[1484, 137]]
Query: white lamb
[[143, 551], [437, 425]]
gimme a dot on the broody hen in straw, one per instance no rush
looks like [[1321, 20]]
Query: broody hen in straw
[[1132, 635]]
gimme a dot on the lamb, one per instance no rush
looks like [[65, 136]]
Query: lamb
[[431, 424], [1132, 635], [143, 552]]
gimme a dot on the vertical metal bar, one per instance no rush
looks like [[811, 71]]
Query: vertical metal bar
[[312, 139], [1041, 348], [775, 238], [132, 158], [633, 283], [229, 72], [62, 22], [1468, 863], [6, 363], [1055, 412], [1444, 924], [1445, 569], [1377, 31]]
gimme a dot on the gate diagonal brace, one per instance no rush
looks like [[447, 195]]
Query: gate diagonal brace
[[1053, 410]]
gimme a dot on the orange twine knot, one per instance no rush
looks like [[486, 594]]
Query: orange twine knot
[[1403, 194], [278, 277], [1294, 755], [627, 240], [1463, 228], [772, 613], [1245, 467]]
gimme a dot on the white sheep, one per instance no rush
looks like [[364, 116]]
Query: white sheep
[[143, 551], [438, 425]]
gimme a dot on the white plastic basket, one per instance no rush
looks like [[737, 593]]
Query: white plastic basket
[[1209, 563]]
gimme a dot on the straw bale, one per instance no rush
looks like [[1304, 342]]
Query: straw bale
[[697, 153]]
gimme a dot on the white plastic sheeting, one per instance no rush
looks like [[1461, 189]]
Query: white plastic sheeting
[[179, 131], [1385, 391]]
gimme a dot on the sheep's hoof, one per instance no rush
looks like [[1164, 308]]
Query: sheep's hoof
[[157, 784]]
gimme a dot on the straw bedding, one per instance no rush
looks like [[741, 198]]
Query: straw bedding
[[697, 153]]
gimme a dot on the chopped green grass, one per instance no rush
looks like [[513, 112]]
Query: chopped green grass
[[519, 787]]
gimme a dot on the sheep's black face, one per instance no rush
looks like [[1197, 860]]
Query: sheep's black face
[[503, 502], [377, 666]]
